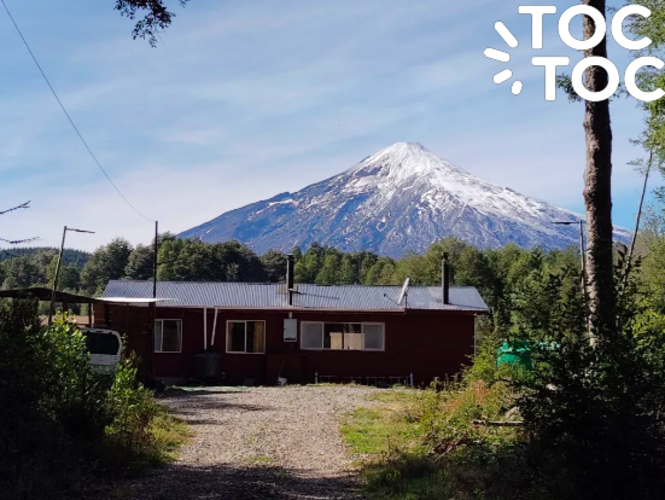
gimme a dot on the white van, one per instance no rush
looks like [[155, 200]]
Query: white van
[[105, 347]]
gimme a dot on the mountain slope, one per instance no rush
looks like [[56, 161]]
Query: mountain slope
[[402, 198]]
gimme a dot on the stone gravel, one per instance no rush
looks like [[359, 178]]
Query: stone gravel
[[264, 443]]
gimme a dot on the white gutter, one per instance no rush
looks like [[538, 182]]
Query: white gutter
[[132, 300], [214, 328]]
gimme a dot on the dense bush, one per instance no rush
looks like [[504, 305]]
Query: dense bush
[[62, 422], [587, 419], [596, 402]]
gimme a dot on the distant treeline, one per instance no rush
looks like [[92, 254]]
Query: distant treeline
[[498, 274], [25, 267], [494, 272]]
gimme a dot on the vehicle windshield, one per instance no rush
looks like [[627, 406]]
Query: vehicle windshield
[[102, 343]]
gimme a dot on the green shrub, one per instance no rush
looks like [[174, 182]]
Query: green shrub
[[595, 404], [450, 414], [62, 423], [132, 410]]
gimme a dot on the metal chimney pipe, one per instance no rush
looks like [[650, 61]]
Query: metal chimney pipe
[[290, 265], [445, 279]]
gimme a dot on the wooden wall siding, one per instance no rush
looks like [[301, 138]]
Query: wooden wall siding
[[427, 344]]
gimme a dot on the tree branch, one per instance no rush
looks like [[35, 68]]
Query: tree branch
[[157, 17]]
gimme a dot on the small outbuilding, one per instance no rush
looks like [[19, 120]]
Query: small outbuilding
[[303, 333]]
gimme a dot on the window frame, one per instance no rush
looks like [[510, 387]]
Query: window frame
[[303, 325], [383, 336], [177, 320], [245, 321]]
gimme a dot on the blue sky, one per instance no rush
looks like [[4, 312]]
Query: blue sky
[[244, 100]]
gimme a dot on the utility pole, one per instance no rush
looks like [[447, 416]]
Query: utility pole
[[154, 262], [582, 255], [153, 307], [55, 278], [57, 270]]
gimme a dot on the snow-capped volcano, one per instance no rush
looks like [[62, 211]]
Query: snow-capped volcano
[[402, 198]]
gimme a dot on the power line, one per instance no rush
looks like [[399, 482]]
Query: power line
[[18, 207], [17, 242], [22, 205], [25, 42]]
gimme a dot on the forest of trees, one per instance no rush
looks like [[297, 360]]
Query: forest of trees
[[192, 260], [497, 274], [26, 267]]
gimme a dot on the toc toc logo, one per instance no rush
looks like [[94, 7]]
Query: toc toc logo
[[537, 13]]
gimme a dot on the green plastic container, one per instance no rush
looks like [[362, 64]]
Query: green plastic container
[[518, 352], [514, 353]]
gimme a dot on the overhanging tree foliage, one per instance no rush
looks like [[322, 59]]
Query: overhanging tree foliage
[[156, 16]]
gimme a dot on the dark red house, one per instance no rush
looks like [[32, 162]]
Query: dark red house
[[303, 333]]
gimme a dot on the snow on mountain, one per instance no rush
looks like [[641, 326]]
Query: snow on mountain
[[402, 198]]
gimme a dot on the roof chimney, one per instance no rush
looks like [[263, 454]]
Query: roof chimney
[[290, 265], [445, 278]]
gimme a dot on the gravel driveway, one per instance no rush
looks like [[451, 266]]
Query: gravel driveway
[[258, 443]]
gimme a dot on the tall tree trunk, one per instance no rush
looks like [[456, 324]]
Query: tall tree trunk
[[598, 191]]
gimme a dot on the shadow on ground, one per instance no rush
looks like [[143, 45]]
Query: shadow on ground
[[175, 392], [184, 403], [179, 482]]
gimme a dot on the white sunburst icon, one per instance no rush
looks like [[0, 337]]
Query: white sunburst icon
[[504, 57]]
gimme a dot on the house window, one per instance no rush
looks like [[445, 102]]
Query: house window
[[343, 336], [290, 330], [168, 335], [246, 336]]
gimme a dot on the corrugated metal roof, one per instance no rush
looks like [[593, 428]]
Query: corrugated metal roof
[[316, 297]]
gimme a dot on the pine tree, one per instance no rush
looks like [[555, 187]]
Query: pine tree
[[349, 271], [330, 271], [140, 264], [274, 264]]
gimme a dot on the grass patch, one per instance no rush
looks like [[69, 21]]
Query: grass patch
[[423, 445], [406, 476], [397, 395], [333, 384], [166, 434], [260, 460], [382, 427], [169, 434]]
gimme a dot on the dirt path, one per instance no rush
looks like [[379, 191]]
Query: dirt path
[[258, 443]]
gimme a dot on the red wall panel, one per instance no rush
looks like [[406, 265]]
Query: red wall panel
[[425, 344]]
